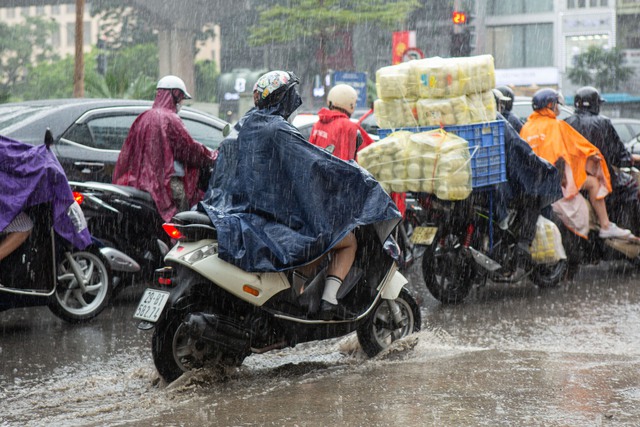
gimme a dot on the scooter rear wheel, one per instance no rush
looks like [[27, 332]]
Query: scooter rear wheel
[[74, 302], [175, 351], [379, 329]]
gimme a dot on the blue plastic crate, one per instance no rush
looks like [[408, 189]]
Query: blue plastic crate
[[486, 144]]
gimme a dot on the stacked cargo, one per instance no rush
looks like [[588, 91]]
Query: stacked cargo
[[438, 120], [436, 92]]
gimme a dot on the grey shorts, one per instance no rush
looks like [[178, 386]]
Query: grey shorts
[[20, 223], [178, 194]]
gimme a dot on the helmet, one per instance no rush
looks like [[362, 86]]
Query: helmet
[[272, 86], [501, 100], [508, 92], [543, 97], [344, 97], [173, 82], [588, 98]]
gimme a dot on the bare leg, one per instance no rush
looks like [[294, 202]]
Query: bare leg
[[12, 242], [592, 185], [343, 255]]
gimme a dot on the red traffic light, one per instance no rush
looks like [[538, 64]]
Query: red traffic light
[[459, 18]]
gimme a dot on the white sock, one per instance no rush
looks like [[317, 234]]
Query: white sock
[[331, 286]]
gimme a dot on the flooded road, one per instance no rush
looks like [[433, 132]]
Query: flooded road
[[507, 356]]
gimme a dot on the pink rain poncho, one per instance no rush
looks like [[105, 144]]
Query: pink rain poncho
[[156, 139]]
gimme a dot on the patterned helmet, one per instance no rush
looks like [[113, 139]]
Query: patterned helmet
[[271, 87]]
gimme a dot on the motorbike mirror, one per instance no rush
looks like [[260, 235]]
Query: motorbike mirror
[[226, 130], [48, 138]]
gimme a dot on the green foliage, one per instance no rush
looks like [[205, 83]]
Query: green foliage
[[122, 25], [125, 66], [297, 19], [601, 68], [21, 45], [206, 80], [131, 73]]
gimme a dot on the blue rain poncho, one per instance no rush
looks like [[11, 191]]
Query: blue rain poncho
[[279, 202]]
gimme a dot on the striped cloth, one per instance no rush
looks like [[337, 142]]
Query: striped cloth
[[21, 222]]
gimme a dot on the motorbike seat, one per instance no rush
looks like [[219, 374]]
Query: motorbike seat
[[135, 193], [192, 217]]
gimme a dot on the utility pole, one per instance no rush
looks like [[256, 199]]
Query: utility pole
[[78, 71]]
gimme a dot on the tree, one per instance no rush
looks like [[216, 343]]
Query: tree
[[601, 68], [132, 74], [323, 22], [21, 45]]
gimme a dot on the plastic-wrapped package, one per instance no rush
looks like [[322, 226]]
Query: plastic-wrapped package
[[396, 82], [395, 113], [434, 162], [443, 112], [481, 107], [546, 247], [450, 77], [482, 73]]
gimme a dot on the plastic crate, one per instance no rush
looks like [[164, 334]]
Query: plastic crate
[[486, 144]]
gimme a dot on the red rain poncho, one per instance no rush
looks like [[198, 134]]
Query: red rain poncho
[[146, 161], [335, 128]]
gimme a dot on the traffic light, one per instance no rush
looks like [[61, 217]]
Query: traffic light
[[459, 18]]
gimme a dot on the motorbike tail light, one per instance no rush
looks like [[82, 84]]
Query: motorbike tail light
[[79, 197], [172, 231]]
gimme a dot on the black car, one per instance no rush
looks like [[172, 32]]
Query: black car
[[89, 133]]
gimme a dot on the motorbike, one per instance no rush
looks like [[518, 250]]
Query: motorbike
[[125, 218], [207, 312], [466, 246], [48, 270], [594, 250]]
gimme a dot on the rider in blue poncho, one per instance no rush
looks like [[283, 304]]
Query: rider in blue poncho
[[279, 202]]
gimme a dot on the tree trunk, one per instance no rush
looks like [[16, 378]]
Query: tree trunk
[[78, 72]]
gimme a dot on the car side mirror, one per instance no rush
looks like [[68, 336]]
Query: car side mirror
[[226, 130], [48, 138]]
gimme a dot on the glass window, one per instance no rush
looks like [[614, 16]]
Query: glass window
[[71, 8], [571, 4], [55, 38], [39, 10], [501, 7], [582, 4], [512, 46], [86, 33], [204, 133], [109, 133], [55, 10], [579, 44], [11, 13], [71, 34]]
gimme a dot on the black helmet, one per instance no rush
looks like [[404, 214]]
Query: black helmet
[[506, 91], [588, 98], [543, 97], [272, 86]]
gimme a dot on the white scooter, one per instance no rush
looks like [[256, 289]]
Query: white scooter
[[209, 312]]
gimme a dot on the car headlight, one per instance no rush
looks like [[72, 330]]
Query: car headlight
[[202, 253]]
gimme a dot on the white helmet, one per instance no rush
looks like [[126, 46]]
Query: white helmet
[[173, 82], [344, 97]]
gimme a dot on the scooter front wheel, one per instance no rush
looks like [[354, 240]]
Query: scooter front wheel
[[389, 322], [84, 287]]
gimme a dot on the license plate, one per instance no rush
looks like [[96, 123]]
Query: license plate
[[151, 305], [423, 235]]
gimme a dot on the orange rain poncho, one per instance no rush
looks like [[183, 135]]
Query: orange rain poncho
[[552, 139]]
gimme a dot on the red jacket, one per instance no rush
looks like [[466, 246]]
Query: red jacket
[[157, 138], [335, 128]]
